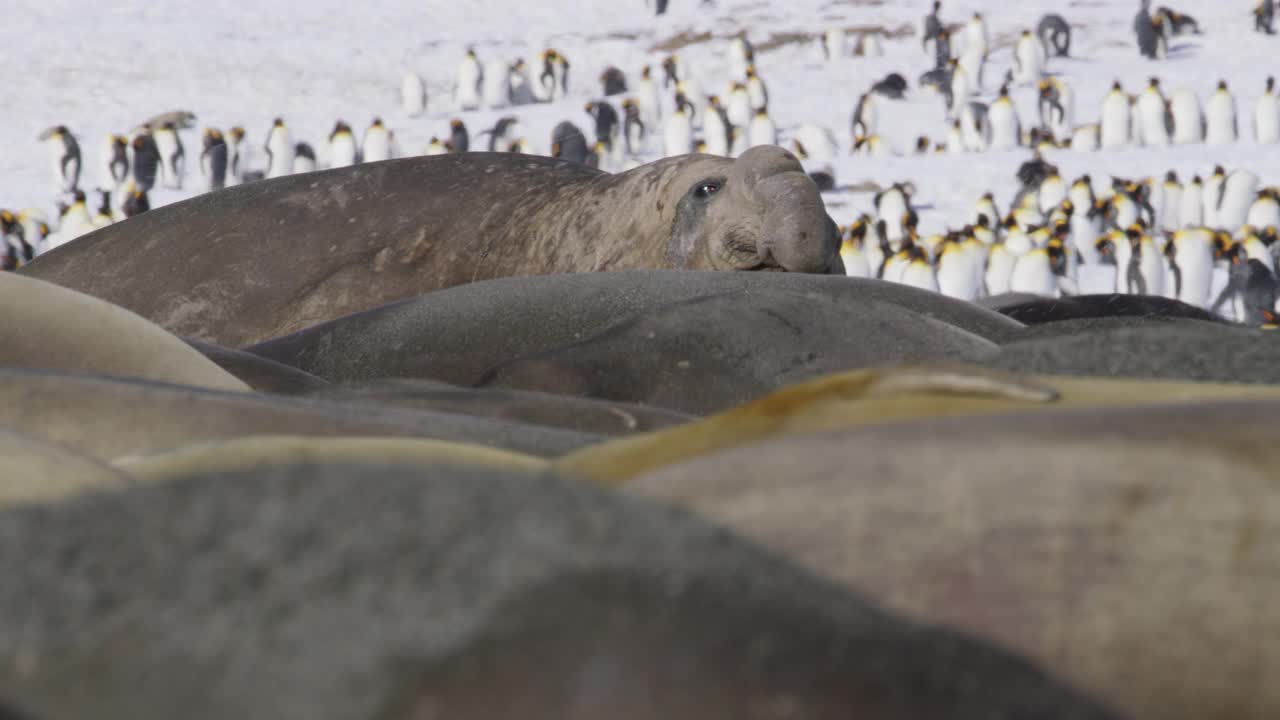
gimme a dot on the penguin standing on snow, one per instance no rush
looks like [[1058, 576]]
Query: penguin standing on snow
[[1264, 15], [1002, 119], [678, 134], [1154, 122], [738, 107], [1028, 58], [1055, 33], [559, 66], [377, 142], [64, 153], [742, 55], [1057, 107], [343, 150], [1188, 120], [763, 131], [833, 44], [893, 206], [757, 93], [413, 94], [975, 130], [495, 86], [1265, 210], [145, 161], [235, 155], [1266, 115], [931, 28], [865, 117], [213, 159], [647, 99], [1191, 206], [1190, 253], [1236, 196], [606, 122], [459, 138], [279, 147], [173, 158], [467, 86], [500, 134], [634, 131], [1151, 43], [1220, 117], [136, 202], [612, 82], [519, 90], [716, 128], [115, 162], [1114, 131], [1170, 203]]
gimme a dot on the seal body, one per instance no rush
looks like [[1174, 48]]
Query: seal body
[[268, 258]]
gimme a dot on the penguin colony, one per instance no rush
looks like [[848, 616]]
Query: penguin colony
[[671, 106]]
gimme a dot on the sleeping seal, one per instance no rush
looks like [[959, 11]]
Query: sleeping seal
[[264, 259], [331, 591]]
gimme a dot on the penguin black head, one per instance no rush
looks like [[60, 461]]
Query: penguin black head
[[1271, 83], [78, 196], [455, 123], [922, 144], [1269, 236], [1218, 170], [645, 72], [1153, 81], [237, 133], [1222, 85], [937, 5], [751, 71], [277, 123], [1115, 86], [377, 122]]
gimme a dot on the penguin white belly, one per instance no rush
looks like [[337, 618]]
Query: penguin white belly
[[1220, 120], [1170, 286], [1264, 213], [519, 92], [715, 134], [970, 67], [1032, 273], [763, 131], [678, 135], [281, 148], [1006, 130], [874, 254], [1114, 130], [413, 94], [1151, 115], [870, 45], [755, 93], [495, 88], [855, 263], [106, 174], [920, 275], [739, 109], [1085, 138], [1237, 196], [819, 144], [650, 106], [1063, 125], [377, 146], [235, 163], [894, 267], [1029, 67], [891, 209], [1052, 192], [1266, 119], [1127, 213], [956, 277], [962, 84], [466, 91], [1191, 207], [1018, 242], [868, 121], [1188, 121], [1000, 263], [1123, 254], [738, 63], [955, 141], [1152, 267], [1083, 235], [342, 151], [303, 164], [975, 133]]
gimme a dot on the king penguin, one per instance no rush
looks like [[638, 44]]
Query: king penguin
[[304, 158], [1154, 123], [213, 158], [467, 85], [1002, 119], [1171, 202], [757, 93], [893, 207], [715, 128], [1190, 254], [678, 134], [413, 94], [741, 56], [64, 155], [647, 99], [279, 147], [1028, 58], [1034, 272], [343, 150], [145, 160], [975, 130], [1266, 115], [763, 131], [377, 142], [976, 38], [173, 157], [519, 88], [1237, 195], [115, 162], [853, 256], [956, 273], [236, 159], [1265, 210], [634, 130], [1114, 131], [1220, 117], [612, 82], [606, 129], [1057, 107], [136, 202]]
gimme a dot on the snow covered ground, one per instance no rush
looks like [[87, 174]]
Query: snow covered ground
[[104, 67]]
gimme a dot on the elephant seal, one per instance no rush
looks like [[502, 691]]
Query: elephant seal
[[1131, 551], [269, 450], [1035, 309], [1173, 349], [455, 335], [264, 259], [324, 591], [870, 397], [586, 415], [258, 372], [36, 471], [708, 354], [109, 418], [62, 329]]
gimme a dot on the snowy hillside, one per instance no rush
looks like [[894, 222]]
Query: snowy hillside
[[104, 67]]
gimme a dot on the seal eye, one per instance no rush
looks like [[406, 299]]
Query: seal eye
[[705, 190]]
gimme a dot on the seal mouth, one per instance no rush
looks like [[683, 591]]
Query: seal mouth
[[766, 267]]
